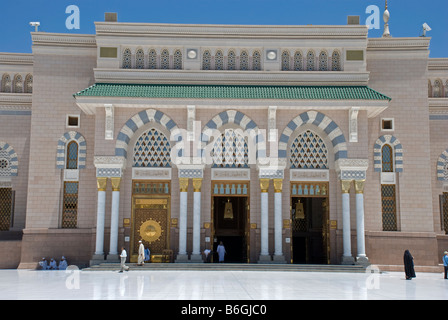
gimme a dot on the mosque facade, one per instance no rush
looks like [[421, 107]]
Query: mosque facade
[[289, 144]]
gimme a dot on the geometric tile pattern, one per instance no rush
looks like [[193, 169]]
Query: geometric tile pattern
[[8, 160], [398, 152], [442, 166], [62, 145], [308, 151], [247, 125], [139, 120], [230, 150], [152, 149], [321, 121]]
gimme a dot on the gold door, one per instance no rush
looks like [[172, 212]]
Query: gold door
[[150, 217]]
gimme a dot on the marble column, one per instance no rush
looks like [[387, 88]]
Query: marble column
[[196, 254], [100, 214], [264, 227], [182, 255], [346, 236], [278, 252], [115, 213], [361, 257]]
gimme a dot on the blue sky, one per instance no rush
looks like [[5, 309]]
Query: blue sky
[[407, 16]]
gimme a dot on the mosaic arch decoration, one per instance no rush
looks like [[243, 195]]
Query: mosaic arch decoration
[[139, 120], [398, 152], [308, 151], [321, 121], [8, 160], [152, 149], [248, 128], [62, 145], [442, 166]]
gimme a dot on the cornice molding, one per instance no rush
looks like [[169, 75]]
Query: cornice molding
[[16, 58], [63, 39], [393, 44], [15, 99], [147, 76], [230, 31]]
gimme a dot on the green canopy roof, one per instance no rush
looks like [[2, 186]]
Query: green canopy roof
[[231, 92]]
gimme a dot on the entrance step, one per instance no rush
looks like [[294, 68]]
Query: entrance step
[[229, 267]]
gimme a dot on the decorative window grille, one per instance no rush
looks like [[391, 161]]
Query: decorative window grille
[[165, 59], [72, 155], [256, 60], [29, 84], [308, 151], [18, 84], [152, 59], [310, 61], [127, 56], [6, 83], [387, 158], [206, 60], [437, 90], [323, 61], [152, 149], [178, 59], [230, 150], [444, 211], [140, 59], [6, 208], [70, 205], [298, 61], [336, 61], [244, 60], [285, 60], [231, 60], [219, 60], [389, 209]]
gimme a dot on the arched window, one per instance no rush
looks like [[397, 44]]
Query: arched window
[[72, 155], [230, 150], [165, 59], [29, 83], [437, 90], [219, 60], [285, 60], [127, 56], [152, 59], [231, 60], [206, 60], [152, 149], [256, 60], [298, 61], [18, 83], [6, 83], [323, 61], [178, 59], [387, 158], [336, 61], [244, 60], [308, 151], [310, 61], [140, 59]]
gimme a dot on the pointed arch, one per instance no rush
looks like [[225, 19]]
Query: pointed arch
[[10, 163], [397, 156], [63, 143], [442, 166], [140, 119], [324, 123], [248, 129]]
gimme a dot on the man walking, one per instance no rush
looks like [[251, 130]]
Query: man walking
[[141, 253], [123, 257]]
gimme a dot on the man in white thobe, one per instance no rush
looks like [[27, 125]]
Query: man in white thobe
[[141, 254], [123, 257]]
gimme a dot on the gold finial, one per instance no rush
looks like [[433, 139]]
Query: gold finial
[[386, 4]]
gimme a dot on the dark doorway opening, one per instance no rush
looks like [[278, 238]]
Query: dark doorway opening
[[230, 227], [309, 216]]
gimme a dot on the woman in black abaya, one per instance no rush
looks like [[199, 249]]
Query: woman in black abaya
[[409, 265]]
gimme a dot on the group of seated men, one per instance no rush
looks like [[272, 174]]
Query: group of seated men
[[53, 265]]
